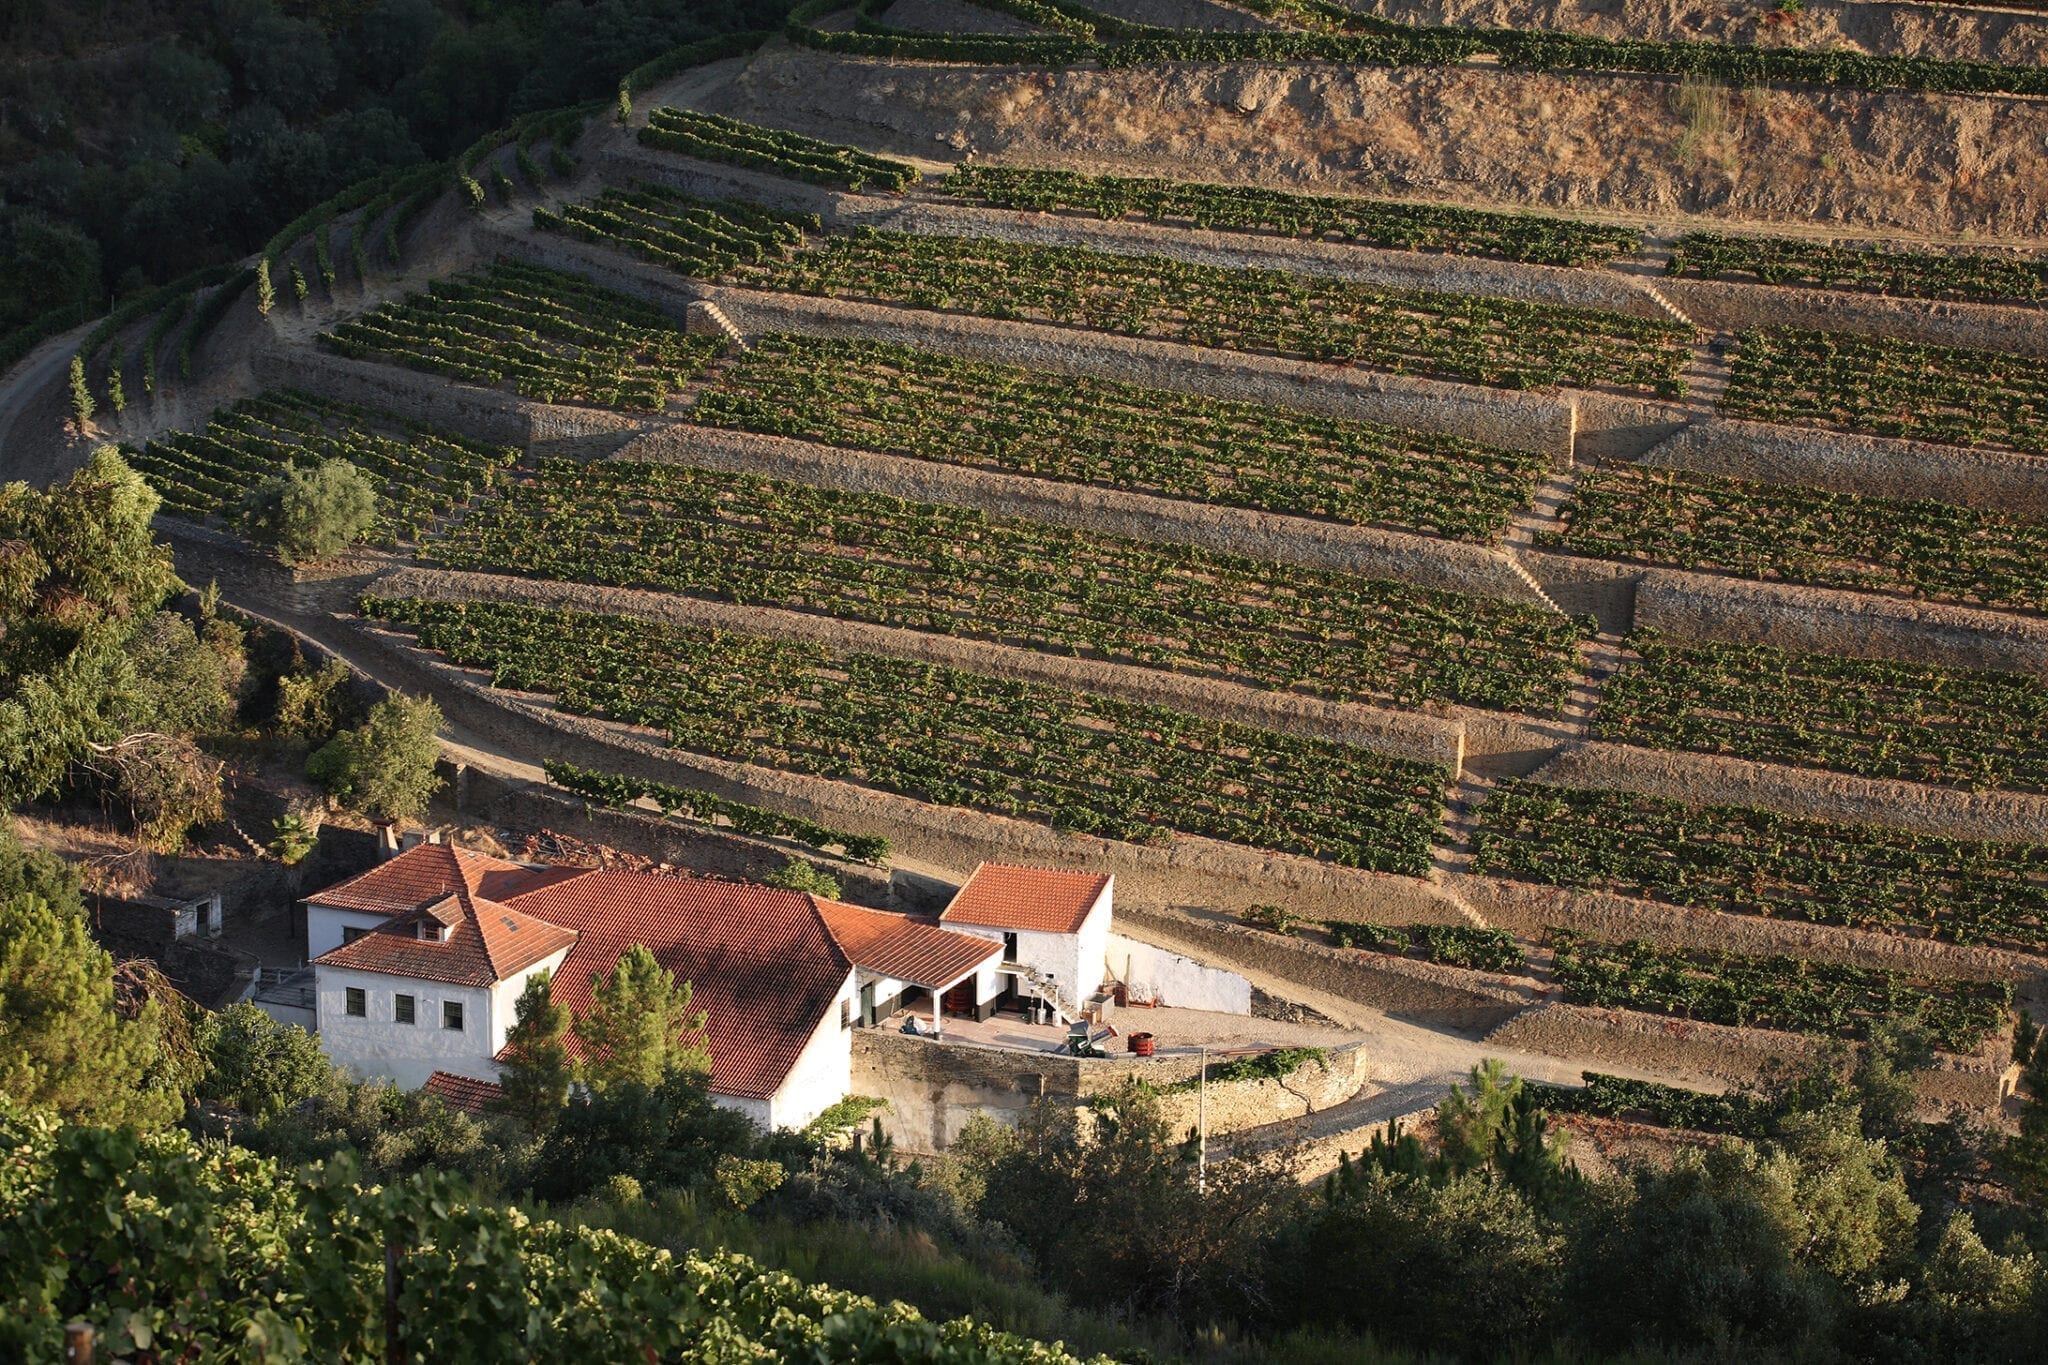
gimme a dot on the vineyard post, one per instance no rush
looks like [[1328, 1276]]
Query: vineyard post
[[78, 1343], [1202, 1127]]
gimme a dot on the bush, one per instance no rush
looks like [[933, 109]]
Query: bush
[[385, 767], [311, 512], [257, 1065], [798, 875]]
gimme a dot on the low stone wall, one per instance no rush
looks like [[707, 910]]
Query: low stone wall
[[1403, 734], [486, 414], [1717, 1053], [1441, 997], [1528, 908], [1515, 420], [1733, 306], [1874, 466], [935, 1087], [1823, 621], [1183, 870], [1712, 779], [1437, 272], [1425, 560]]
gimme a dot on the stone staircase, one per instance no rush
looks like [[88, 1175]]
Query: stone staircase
[[705, 318]]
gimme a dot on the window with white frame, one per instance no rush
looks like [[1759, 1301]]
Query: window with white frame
[[357, 1003], [402, 1010], [451, 1015]]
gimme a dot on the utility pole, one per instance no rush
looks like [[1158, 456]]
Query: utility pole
[[1202, 1128]]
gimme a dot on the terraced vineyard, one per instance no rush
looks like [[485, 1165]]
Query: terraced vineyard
[[1117, 769], [1642, 514], [553, 336], [1452, 945], [1891, 388], [1743, 860], [1976, 276], [1380, 223], [1486, 340], [425, 472], [1913, 722], [877, 396], [713, 137], [960, 572], [1786, 993]]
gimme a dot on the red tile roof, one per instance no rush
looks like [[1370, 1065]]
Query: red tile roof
[[466, 1093], [904, 948], [485, 943], [760, 962], [1039, 899], [424, 874]]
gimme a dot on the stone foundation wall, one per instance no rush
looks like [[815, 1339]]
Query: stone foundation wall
[[1733, 306]]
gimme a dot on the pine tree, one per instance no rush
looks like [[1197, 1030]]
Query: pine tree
[[265, 295], [537, 1070], [81, 393], [300, 289], [115, 393], [63, 1046], [634, 1033]]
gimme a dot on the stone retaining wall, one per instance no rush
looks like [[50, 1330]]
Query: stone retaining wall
[[1424, 560], [1440, 997], [1518, 421], [1527, 909], [1438, 272], [1184, 870], [1712, 779], [486, 414], [1715, 1052], [1400, 733], [1732, 306], [1823, 621], [1874, 466], [935, 1087]]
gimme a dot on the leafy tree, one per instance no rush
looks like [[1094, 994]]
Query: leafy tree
[[78, 570], [256, 1064], [798, 875], [36, 872], [63, 1046], [536, 1070], [636, 1031], [1464, 1266], [384, 768], [1699, 1257], [311, 512], [666, 1136], [311, 706]]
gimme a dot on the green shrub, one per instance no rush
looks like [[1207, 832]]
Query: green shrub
[[311, 511]]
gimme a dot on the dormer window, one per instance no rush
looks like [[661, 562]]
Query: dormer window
[[432, 932]]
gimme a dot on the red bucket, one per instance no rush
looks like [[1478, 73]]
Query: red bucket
[[1141, 1045]]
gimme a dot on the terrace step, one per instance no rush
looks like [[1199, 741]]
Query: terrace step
[[1541, 514], [1673, 310], [705, 318], [1706, 375]]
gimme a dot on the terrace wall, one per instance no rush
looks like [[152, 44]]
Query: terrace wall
[[1713, 779], [1874, 466], [1733, 306]]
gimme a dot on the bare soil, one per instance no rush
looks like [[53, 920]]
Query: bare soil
[[1618, 145]]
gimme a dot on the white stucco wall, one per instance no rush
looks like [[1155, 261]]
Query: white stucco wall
[[823, 1072], [378, 1046], [1176, 980], [324, 924], [1074, 961], [1092, 949]]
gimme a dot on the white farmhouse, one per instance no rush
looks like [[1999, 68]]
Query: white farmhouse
[[439, 942], [1054, 928]]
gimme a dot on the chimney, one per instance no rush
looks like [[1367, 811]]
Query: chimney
[[387, 840], [411, 840]]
